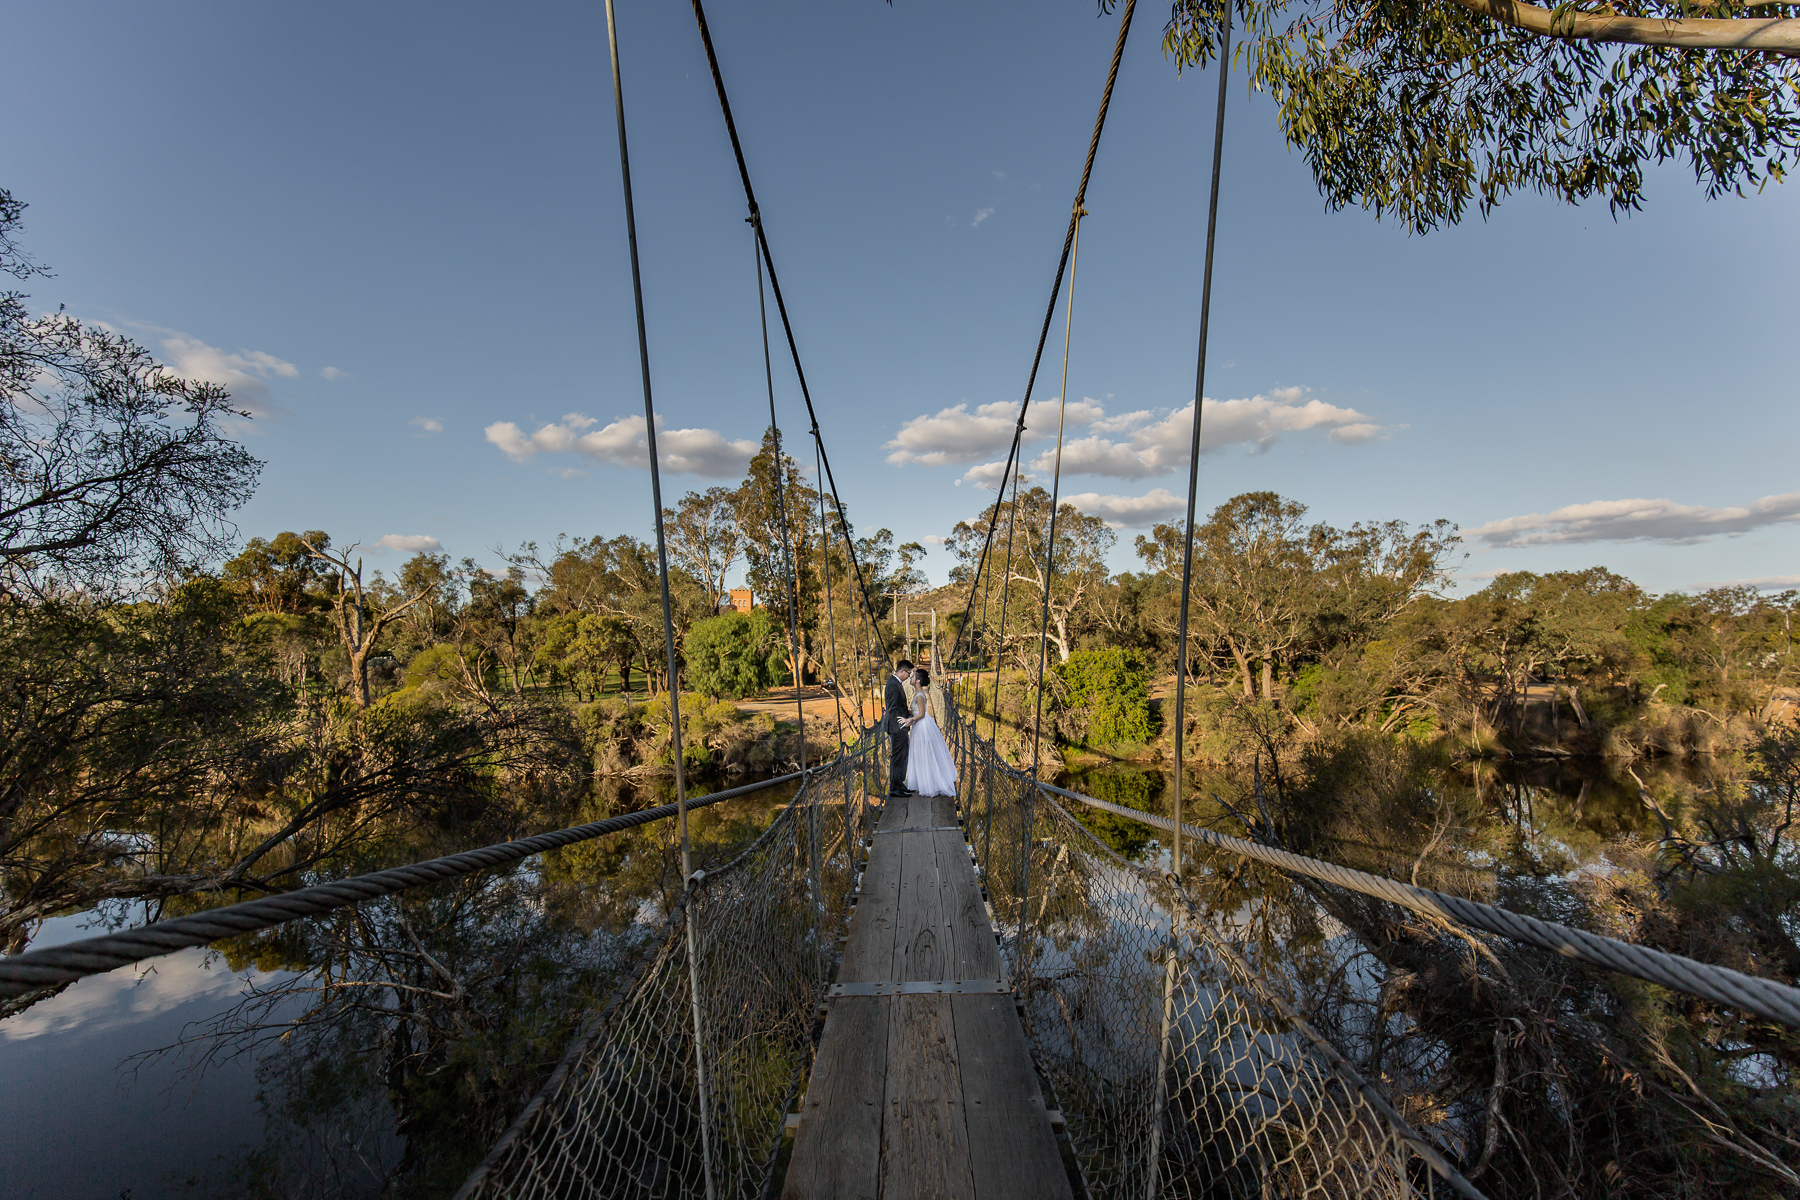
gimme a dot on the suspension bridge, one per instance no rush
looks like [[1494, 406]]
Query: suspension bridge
[[975, 996]]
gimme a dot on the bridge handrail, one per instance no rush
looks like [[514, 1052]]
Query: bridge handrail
[[53, 965], [1764, 997]]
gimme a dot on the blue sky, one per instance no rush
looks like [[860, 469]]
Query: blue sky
[[396, 230]]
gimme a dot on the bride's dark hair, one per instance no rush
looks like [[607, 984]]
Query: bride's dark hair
[[922, 677]]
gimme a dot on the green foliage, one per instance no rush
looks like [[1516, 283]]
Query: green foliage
[[1128, 789], [1414, 108], [1110, 690], [734, 655], [442, 665]]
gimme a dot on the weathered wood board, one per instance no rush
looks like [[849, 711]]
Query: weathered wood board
[[923, 1096]]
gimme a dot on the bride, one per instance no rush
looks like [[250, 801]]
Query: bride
[[930, 771]]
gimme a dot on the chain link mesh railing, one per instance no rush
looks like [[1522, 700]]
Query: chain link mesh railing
[[681, 1084], [1181, 1068]]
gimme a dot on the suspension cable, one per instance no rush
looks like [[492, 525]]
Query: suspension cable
[[837, 696], [662, 545], [1187, 538], [1012, 514], [1087, 171], [762, 240], [21, 974], [792, 565], [1049, 575]]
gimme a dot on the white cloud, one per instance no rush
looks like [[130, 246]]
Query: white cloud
[[332, 373], [933, 539], [245, 374], [1140, 444], [427, 425], [1155, 445], [410, 543], [981, 214], [1131, 512], [702, 452], [955, 435], [988, 475], [1765, 583], [271, 364], [129, 996], [1638, 520]]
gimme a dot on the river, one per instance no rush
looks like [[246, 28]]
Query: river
[[85, 1114]]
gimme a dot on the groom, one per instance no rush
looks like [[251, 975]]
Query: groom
[[896, 721]]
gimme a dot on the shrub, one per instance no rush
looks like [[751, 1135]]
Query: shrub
[[734, 655], [1109, 691]]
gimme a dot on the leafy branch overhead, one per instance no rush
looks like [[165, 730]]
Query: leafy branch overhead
[[1415, 108]]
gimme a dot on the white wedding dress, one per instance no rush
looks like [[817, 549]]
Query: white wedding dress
[[930, 771]]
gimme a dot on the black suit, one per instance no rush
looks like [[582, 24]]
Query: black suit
[[899, 737]]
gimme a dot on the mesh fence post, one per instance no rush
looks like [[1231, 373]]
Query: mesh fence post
[[700, 1080], [1153, 1163]]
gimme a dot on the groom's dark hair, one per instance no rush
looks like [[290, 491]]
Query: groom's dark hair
[[904, 664]]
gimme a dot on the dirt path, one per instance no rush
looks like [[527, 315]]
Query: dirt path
[[818, 704]]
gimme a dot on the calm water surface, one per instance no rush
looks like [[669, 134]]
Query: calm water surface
[[84, 1116]]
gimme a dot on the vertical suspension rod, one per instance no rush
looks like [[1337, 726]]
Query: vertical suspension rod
[[1187, 540], [1087, 171], [662, 561]]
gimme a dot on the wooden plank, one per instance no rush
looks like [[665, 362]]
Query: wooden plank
[[837, 1152], [925, 1143], [923, 1096], [975, 956], [1012, 1150], [869, 952], [923, 948]]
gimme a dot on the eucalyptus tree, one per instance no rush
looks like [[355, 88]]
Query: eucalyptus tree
[[705, 538], [1075, 577], [360, 613], [1416, 108], [113, 471]]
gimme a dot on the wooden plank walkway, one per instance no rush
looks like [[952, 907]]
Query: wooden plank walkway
[[916, 1096]]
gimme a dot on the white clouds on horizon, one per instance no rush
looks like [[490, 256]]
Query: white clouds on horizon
[[1637, 521], [1131, 512], [705, 453], [410, 543], [1142, 444], [1767, 583], [955, 435]]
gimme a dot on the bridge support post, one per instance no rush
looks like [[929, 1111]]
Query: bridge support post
[[1153, 1167], [702, 1084]]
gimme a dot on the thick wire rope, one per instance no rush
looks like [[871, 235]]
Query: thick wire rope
[[762, 241], [55, 965], [1763, 997], [792, 565], [1087, 171], [1187, 539]]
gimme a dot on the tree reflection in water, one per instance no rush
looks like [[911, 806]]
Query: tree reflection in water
[[412, 1029]]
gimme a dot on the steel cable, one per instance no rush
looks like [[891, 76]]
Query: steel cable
[[54, 965], [1764, 997], [1087, 171], [762, 241]]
